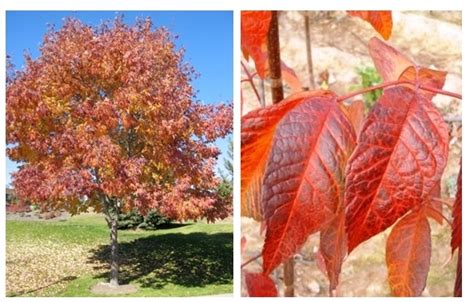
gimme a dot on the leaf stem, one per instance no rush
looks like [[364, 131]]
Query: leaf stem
[[439, 91], [371, 88], [250, 79], [397, 83], [250, 260]]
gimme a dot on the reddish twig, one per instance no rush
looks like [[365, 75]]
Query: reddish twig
[[250, 260], [397, 83], [250, 79], [439, 91]]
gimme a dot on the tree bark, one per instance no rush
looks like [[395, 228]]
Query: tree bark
[[111, 211], [114, 256], [274, 60]]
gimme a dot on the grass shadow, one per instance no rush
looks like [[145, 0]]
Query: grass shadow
[[171, 225], [190, 260]]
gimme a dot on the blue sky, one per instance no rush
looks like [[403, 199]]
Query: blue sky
[[206, 36]]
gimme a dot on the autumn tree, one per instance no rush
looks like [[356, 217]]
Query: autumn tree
[[106, 118]]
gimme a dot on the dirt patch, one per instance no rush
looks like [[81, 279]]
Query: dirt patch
[[103, 288]]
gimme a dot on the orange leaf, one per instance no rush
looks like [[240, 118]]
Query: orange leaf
[[381, 21], [408, 255]]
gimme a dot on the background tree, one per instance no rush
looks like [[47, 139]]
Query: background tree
[[106, 118], [225, 188]]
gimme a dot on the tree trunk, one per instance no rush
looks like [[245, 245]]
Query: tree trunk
[[111, 211], [114, 256]]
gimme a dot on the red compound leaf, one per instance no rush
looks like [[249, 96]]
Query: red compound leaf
[[408, 255], [381, 21], [400, 156], [303, 181], [260, 285]]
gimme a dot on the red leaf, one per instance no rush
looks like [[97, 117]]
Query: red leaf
[[381, 21], [433, 206], [456, 238], [303, 181], [399, 158], [333, 246], [260, 285], [289, 76], [389, 62], [254, 30], [392, 65], [426, 77], [408, 255], [257, 131], [355, 114]]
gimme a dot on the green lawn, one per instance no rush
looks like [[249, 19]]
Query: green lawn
[[65, 258]]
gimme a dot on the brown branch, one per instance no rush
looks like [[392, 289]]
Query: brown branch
[[250, 261], [309, 55], [274, 61]]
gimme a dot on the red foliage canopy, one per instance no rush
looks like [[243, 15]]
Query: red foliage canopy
[[110, 112]]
